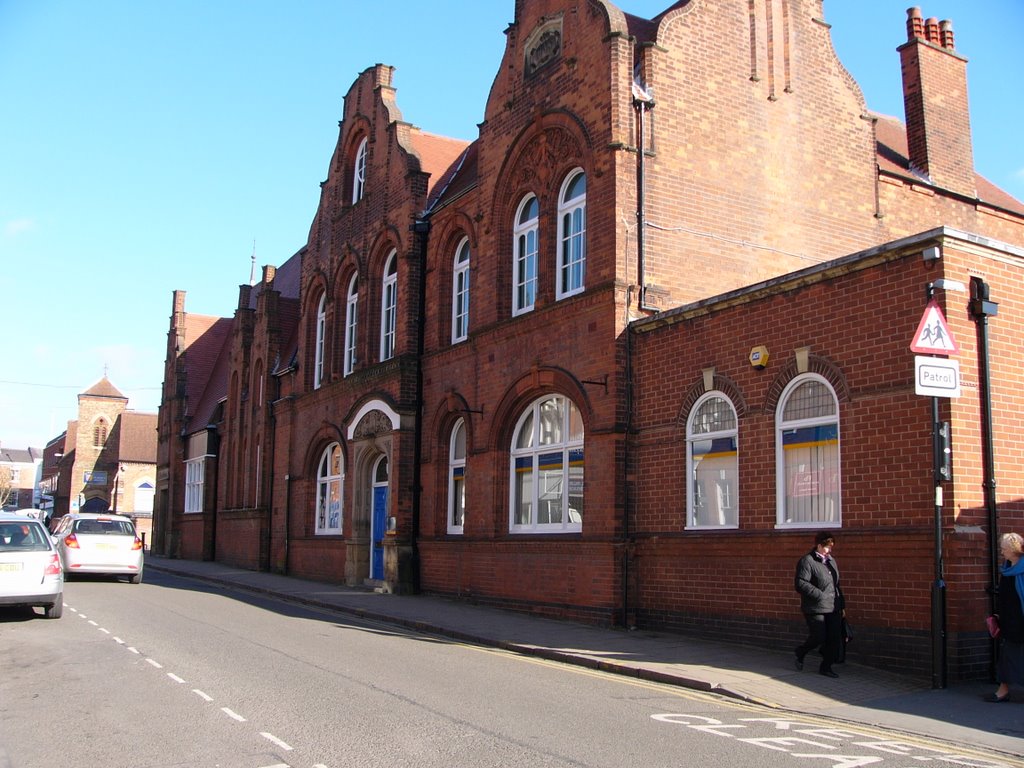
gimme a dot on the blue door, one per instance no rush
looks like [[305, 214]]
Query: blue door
[[380, 508]]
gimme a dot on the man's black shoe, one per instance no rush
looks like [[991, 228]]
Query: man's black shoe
[[798, 662], [828, 673]]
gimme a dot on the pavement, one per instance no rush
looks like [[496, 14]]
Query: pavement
[[862, 695]]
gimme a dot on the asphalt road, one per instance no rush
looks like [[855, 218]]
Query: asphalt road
[[174, 672]]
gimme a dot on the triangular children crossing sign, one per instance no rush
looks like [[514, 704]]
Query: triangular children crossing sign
[[933, 336]]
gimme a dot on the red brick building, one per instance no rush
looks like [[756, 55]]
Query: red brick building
[[518, 372]]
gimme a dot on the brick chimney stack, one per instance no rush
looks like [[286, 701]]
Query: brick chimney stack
[[935, 100]]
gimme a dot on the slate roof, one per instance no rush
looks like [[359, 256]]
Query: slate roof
[[20, 455], [437, 154]]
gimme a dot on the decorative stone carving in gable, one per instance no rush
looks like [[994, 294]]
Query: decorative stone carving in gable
[[371, 425], [543, 47], [545, 151]]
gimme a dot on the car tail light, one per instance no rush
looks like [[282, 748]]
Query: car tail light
[[71, 542], [137, 544], [53, 567]]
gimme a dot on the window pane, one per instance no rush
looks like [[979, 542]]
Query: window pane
[[809, 400], [713, 415], [551, 417], [458, 497], [459, 442], [523, 501], [811, 456], [715, 481], [525, 439]]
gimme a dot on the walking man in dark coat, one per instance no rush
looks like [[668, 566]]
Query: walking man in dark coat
[[822, 603]]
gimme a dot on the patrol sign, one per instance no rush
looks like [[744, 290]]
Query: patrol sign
[[936, 376]]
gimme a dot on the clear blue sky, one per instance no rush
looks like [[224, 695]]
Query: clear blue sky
[[145, 145]]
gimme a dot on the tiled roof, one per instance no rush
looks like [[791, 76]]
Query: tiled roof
[[205, 341], [437, 153], [103, 388], [138, 437], [287, 279], [893, 158]]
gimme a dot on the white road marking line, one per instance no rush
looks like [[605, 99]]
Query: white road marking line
[[119, 641], [156, 664], [272, 738], [133, 650], [106, 631], [202, 695], [175, 678], [276, 765], [73, 610], [233, 715], [319, 765], [93, 623]]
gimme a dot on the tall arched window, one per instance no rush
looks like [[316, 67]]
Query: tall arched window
[[572, 234], [524, 269], [359, 173], [330, 480], [389, 307], [457, 478], [807, 454], [712, 469], [351, 308], [318, 349], [99, 433], [546, 468], [460, 292]]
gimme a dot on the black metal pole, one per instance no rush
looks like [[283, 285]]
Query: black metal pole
[[981, 309], [939, 584]]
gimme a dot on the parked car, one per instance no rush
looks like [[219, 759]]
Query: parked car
[[30, 568], [99, 543]]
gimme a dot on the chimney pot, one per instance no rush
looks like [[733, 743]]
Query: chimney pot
[[931, 30], [946, 30], [915, 25]]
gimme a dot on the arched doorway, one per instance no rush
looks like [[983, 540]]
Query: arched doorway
[[379, 517]]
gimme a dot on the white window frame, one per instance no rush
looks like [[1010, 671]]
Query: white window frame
[[826, 432], [717, 446], [351, 324], [457, 478], [359, 172], [460, 292], [572, 237], [549, 441], [330, 492], [144, 497], [318, 349], [195, 471], [389, 307], [524, 255]]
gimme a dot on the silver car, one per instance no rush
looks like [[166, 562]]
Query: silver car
[[30, 569], [99, 543]]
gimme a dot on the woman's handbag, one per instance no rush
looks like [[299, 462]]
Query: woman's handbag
[[992, 622]]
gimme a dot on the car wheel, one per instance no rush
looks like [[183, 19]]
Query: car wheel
[[56, 610], [137, 578]]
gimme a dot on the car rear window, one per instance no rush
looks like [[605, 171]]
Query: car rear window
[[22, 537], [104, 527]]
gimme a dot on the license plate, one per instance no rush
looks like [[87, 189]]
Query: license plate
[[10, 567], [105, 545]]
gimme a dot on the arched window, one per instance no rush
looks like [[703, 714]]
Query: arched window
[[807, 454], [524, 269], [359, 173], [99, 433], [330, 479], [572, 234], [457, 478], [546, 468], [460, 292], [318, 349], [712, 469], [389, 307], [144, 494], [351, 307]]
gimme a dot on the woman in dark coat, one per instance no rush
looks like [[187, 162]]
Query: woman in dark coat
[[1010, 609], [822, 603]]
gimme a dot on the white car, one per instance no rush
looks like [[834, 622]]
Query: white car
[[99, 543], [30, 568]]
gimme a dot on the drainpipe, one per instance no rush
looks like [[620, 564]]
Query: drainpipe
[[982, 309], [642, 103], [421, 228]]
